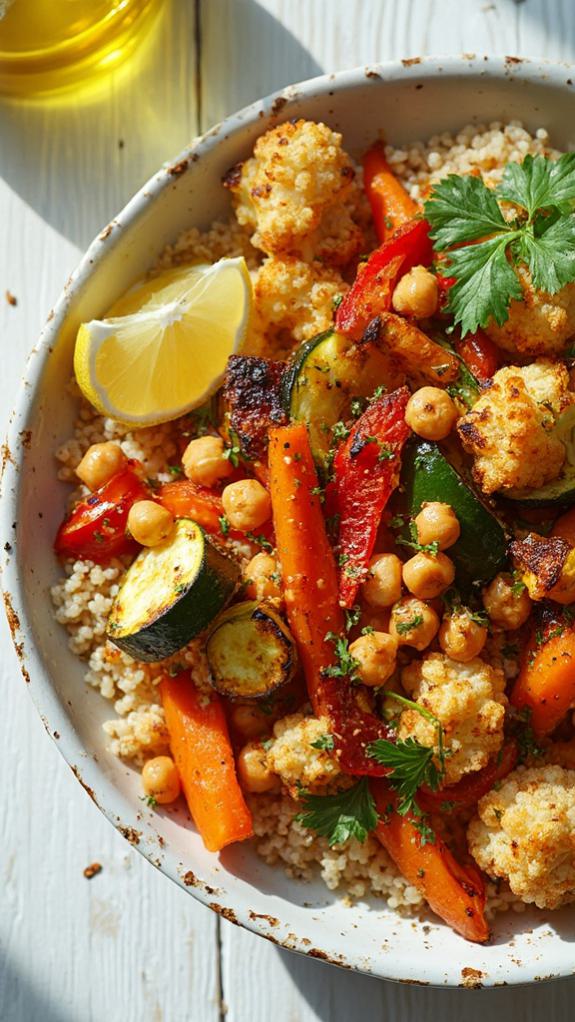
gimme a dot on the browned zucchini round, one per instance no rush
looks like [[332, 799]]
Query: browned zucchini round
[[250, 651]]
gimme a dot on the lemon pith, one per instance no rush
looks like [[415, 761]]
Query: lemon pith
[[164, 346]]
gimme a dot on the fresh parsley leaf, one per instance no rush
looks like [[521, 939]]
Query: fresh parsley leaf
[[403, 627], [232, 454], [347, 666], [224, 525], [426, 548], [538, 183], [352, 617], [175, 470], [550, 254], [260, 540], [462, 209], [150, 800], [485, 283], [325, 743], [346, 814]]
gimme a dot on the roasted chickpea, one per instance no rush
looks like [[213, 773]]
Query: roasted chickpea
[[100, 463], [460, 637], [204, 462], [253, 770], [382, 586], [160, 779], [263, 576], [437, 523], [416, 294], [428, 575], [149, 523], [249, 721], [413, 623], [376, 655], [506, 609], [431, 413], [247, 504]]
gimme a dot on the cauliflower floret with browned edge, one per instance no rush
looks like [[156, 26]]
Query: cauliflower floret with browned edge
[[294, 754], [509, 430], [540, 324], [298, 195], [294, 301], [525, 833], [469, 702]]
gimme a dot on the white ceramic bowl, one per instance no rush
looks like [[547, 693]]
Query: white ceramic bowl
[[410, 99]]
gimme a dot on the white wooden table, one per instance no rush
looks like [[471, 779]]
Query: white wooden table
[[128, 945]]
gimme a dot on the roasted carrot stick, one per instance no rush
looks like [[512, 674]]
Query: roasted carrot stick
[[391, 206], [308, 565], [565, 527], [454, 892], [311, 595], [546, 681], [201, 748]]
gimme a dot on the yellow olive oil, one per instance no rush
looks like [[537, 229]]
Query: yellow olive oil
[[48, 45]]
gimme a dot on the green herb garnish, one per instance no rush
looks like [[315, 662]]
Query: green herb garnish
[[540, 235], [346, 814], [325, 743], [403, 627], [347, 666]]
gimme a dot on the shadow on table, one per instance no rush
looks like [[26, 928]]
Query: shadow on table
[[77, 159], [336, 996], [20, 1001]]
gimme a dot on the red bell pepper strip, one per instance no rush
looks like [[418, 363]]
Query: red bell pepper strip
[[96, 528], [480, 355], [472, 787], [311, 594], [546, 680], [366, 472], [372, 289], [391, 206], [455, 892], [186, 499]]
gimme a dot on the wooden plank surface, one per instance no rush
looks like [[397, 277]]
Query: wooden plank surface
[[127, 945]]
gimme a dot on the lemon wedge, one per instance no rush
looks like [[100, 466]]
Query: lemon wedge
[[163, 348]]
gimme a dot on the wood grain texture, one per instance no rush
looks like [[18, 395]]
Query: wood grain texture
[[128, 945]]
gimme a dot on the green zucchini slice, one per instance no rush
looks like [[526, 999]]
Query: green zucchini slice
[[171, 593], [560, 491], [427, 475], [324, 375], [250, 651]]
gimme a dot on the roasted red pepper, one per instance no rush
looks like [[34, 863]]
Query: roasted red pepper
[[186, 499], [311, 595], [366, 471], [455, 892], [391, 206], [472, 787], [96, 528], [480, 355], [371, 292]]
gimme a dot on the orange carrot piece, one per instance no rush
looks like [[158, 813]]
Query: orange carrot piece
[[565, 527], [305, 555], [546, 681], [454, 892], [391, 206], [202, 751]]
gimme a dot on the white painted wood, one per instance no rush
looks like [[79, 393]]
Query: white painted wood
[[127, 945]]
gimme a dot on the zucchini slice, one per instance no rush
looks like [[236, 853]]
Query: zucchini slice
[[324, 375], [427, 475], [560, 491], [171, 593], [250, 651]]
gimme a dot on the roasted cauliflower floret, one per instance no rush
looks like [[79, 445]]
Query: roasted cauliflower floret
[[525, 833], [295, 300], [297, 194], [540, 324], [294, 755], [510, 429], [468, 700]]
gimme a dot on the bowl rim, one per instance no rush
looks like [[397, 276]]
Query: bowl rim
[[118, 809]]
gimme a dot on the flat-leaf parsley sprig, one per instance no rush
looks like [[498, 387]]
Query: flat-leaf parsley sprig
[[411, 764], [348, 813], [463, 211]]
